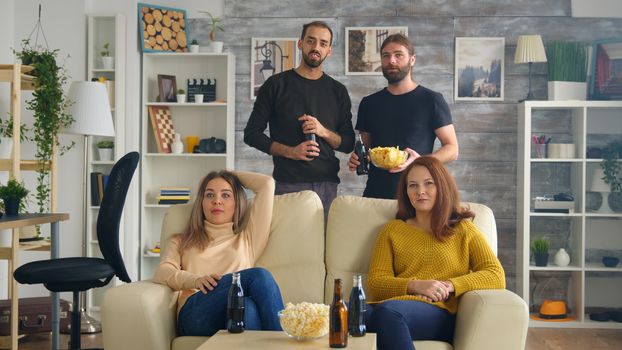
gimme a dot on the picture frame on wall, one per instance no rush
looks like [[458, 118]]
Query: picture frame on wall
[[363, 48], [606, 70], [167, 87], [270, 56], [479, 69], [162, 28]]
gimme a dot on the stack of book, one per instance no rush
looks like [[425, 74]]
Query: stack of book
[[98, 184], [174, 195]]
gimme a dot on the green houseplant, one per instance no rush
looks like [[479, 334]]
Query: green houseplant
[[612, 170], [181, 96], [105, 150], [215, 27], [567, 69], [12, 194], [540, 250], [107, 60], [49, 106]]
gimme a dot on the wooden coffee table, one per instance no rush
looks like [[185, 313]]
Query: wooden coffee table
[[259, 340]]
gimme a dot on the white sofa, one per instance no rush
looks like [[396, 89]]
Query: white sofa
[[304, 262]]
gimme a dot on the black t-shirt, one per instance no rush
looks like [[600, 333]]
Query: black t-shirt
[[407, 120], [284, 98]]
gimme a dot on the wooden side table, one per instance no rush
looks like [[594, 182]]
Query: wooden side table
[[11, 254], [270, 340]]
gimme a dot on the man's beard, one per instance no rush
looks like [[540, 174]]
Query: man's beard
[[310, 62], [396, 76]]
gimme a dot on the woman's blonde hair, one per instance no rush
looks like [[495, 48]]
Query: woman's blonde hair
[[194, 235]]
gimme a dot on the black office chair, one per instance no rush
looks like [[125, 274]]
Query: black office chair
[[80, 274]]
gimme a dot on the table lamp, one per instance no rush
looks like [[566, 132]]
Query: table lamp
[[92, 117], [529, 49], [599, 185]]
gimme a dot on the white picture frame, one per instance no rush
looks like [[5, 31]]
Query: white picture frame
[[282, 54], [362, 48], [479, 69]]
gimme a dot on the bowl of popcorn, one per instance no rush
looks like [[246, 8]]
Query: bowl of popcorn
[[304, 321], [387, 157]]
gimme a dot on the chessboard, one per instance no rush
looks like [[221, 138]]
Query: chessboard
[[162, 126]]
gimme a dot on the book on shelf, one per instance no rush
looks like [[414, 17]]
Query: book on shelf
[[99, 182]]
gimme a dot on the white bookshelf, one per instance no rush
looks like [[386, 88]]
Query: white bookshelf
[[585, 234], [205, 120]]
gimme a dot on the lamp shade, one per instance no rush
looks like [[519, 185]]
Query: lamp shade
[[598, 184], [529, 48], [90, 109]]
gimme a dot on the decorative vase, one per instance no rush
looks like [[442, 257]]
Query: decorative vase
[[177, 147], [216, 46], [593, 201], [566, 90], [105, 154], [542, 259], [562, 258], [108, 62], [11, 206], [615, 201]]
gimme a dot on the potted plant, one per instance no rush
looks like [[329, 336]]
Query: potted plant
[[612, 170], [12, 194], [181, 96], [105, 149], [49, 107], [194, 46], [6, 137], [215, 26], [567, 68], [540, 250], [107, 60]]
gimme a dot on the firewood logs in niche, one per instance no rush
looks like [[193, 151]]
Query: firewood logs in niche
[[164, 30]]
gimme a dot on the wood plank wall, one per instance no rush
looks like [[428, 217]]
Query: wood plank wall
[[486, 168]]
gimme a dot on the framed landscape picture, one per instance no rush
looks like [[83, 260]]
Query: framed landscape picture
[[363, 48], [606, 72], [270, 56], [162, 28], [479, 69]]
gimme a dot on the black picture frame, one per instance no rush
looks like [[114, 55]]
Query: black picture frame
[[167, 87], [606, 70]]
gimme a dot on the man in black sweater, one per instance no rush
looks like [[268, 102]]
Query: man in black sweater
[[309, 117]]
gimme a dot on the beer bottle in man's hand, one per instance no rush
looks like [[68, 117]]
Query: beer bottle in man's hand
[[361, 153], [235, 306], [338, 329], [357, 308]]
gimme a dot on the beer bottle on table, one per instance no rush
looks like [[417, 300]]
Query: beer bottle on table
[[338, 329], [357, 308], [361, 153], [235, 306]]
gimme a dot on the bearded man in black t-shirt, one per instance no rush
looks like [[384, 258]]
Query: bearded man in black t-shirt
[[310, 118], [403, 114]]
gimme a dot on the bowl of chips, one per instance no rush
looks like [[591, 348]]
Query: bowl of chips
[[304, 321], [387, 157]]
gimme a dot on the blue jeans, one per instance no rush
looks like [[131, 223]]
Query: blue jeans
[[398, 322], [206, 314]]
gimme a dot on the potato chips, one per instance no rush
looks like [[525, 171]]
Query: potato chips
[[387, 157]]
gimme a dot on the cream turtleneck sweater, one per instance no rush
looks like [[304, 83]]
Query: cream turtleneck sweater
[[227, 252]]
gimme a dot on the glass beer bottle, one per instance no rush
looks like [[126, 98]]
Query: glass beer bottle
[[235, 306], [361, 153], [357, 308], [338, 329]]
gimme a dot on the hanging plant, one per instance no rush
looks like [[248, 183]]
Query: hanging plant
[[49, 106]]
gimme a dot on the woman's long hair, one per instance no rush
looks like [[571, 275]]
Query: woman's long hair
[[447, 211], [194, 235]]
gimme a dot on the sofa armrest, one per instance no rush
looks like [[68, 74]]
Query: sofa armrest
[[491, 319], [139, 315]]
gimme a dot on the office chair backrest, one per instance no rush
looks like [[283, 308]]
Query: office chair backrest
[[110, 211]]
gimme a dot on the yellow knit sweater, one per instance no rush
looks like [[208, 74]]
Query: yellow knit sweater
[[404, 252]]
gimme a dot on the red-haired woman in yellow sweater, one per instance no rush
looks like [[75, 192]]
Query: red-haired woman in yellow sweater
[[425, 259]]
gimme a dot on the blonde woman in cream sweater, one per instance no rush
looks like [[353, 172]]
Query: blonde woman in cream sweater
[[199, 261], [425, 259]]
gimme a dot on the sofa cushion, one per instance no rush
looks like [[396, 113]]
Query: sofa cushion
[[353, 224], [295, 251]]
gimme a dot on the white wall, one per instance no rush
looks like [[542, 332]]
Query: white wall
[[597, 8]]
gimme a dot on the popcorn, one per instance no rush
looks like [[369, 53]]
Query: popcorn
[[305, 319], [387, 157]]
